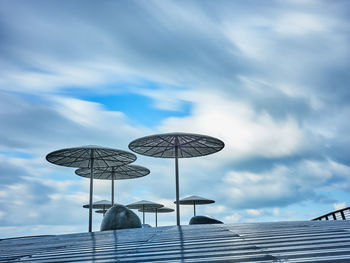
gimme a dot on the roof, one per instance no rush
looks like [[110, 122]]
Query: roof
[[310, 241]]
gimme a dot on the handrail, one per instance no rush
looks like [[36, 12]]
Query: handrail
[[333, 215]]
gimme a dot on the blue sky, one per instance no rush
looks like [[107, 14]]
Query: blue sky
[[269, 78]]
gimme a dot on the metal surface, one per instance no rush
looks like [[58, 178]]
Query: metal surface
[[142, 205], [292, 242], [114, 173], [195, 200], [177, 186], [176, 145], [164, 145], [341, 214], [80, 157], [90, 156], [156, 211]]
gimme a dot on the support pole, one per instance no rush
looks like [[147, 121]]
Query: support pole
[[91, 188], [112, 186], [156, 217], [177, 182], [194, 208], [143, 214]]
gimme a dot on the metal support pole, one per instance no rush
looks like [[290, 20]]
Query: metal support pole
[[156, 217], [194, 208], [112, 186], [342, 215], [177, 182], [143, 214], [91, 188]]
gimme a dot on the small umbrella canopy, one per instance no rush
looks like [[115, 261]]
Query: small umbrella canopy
[[195, 200], [176, 145], [142, 205], [114, 173], [89, 157], [156, 211], [103, 204]]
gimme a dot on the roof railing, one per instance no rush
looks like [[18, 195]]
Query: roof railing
[[341, 214]]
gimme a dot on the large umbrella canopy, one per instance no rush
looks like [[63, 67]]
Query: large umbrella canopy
[[176, 145], [142, 205], [114, 173], [89, 157], [195, 200], [156, 211]]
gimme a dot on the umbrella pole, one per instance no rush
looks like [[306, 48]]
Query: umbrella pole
[[194, 208], [91, 189], [112, 186], [156, 217], [177, 182], [143, 214]]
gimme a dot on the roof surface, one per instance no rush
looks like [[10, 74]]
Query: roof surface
[[311, 241]]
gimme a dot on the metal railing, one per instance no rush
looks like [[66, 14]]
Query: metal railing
[[341, 214]]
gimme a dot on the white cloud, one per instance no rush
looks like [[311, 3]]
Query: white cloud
[[232, 218], [281, 185], [339, 206], [245, 132], [254, 212], [300, 24], [275, 211]]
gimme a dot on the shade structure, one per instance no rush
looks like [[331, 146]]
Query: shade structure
[[176, 145], [156, 211], [103, 204], [114, 173], [89, 157], [143, 204], [195, 200]]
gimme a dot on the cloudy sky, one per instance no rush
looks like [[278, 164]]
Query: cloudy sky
[[269, 78]]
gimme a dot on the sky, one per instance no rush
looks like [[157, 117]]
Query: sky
[[268, 78]]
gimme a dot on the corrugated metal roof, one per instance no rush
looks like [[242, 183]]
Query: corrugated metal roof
[[311, 241]]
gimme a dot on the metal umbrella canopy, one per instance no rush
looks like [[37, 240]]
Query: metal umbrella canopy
[[176, 145], [143, 204], [195, 200], [114, 173], [89, 157], [156, 211], [103, 204]]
